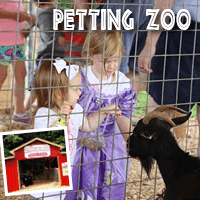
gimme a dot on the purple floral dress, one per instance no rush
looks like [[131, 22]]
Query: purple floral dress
[[106, 178]]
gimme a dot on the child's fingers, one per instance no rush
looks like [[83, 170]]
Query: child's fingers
[[66, 110], [118, 113], [64, 117], [66, 103], [65, 107], [112, 109], [118, 109]]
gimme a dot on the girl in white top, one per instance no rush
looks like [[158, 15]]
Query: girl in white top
[[52, 107]]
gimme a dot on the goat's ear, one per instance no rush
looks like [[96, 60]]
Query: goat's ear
[[149, 137], [181, 120]]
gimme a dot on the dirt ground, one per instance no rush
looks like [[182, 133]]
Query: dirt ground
[[137, 188], [42, 184]]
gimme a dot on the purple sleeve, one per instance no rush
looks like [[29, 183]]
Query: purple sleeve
[[127, 102]]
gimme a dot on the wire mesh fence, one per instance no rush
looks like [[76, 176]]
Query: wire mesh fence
[[174, 80]]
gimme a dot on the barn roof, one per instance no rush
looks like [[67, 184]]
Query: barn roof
[[10, 157], [33, 140]]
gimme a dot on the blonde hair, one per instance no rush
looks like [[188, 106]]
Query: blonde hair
[[94, 44], [49, 82], [95, 39]]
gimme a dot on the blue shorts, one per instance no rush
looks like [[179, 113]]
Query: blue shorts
[[10, 53]]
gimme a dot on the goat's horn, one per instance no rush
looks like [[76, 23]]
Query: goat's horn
[[168, 107], [153, 114]]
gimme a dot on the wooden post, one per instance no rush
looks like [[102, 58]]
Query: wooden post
[[45, 171], [59, 172]]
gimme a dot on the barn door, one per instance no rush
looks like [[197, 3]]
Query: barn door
[[12, 175]]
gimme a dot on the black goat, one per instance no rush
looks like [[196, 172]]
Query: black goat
[[27, 180], [152, 139]]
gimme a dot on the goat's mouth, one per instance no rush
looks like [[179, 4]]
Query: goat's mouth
[[132, 155], [128, 150]]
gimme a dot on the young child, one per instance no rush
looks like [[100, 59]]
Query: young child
[[73, 41], [12, 15], [103, 85], [61, 98], [49, 46]]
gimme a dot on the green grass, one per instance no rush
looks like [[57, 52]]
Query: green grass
[[140, 110], [66, 5], [194, 111]]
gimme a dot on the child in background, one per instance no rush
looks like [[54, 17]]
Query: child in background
[[73, 41], [63, 101], [49, 39], [103, 85], [12, 51]]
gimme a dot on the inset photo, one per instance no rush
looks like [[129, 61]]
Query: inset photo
[[36, 161]]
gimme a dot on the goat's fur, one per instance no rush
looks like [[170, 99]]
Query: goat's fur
[[180, 171]]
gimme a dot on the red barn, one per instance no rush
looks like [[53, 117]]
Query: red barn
[[35, 149]]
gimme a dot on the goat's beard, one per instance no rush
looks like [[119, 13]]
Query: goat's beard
[[147, 163]]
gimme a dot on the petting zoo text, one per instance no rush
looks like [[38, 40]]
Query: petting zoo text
[[108, 19]]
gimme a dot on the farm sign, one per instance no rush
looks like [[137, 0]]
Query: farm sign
[[65, 169], [37, 151]]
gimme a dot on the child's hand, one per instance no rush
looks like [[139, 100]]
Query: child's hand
[[23, 16], [66, 110], [32, 19], [26, 26], [111, 109]]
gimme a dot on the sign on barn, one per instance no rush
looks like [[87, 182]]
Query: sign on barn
[[37, 151]]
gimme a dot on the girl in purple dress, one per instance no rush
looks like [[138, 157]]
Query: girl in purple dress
[[101, 174]]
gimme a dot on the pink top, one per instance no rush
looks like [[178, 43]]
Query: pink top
[[8, 38]]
